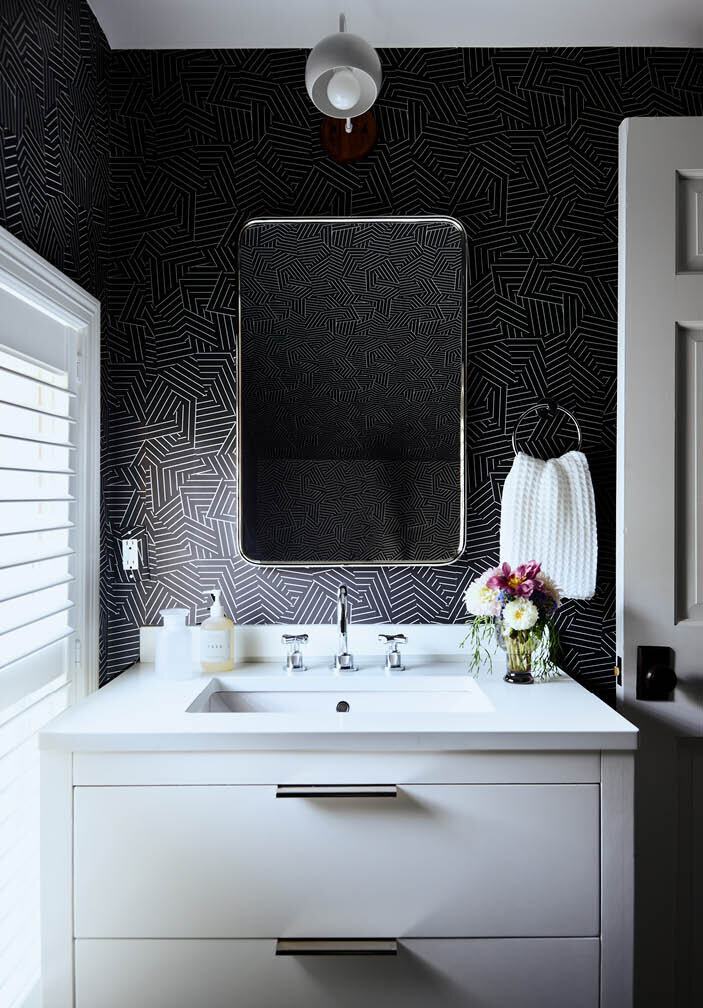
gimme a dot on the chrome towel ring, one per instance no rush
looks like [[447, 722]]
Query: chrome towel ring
[[552, 408]]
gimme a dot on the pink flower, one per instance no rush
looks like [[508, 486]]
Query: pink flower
[[499, 580], [519, 582], [529, 571]]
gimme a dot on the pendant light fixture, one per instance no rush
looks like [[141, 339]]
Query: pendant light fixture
[[343, 75]]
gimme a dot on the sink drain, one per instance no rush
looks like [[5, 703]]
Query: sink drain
[[342, 707]]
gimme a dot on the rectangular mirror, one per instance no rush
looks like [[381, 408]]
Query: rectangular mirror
[[351, 391]]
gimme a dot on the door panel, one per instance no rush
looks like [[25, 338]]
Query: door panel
[[660, 508], [689, 473]]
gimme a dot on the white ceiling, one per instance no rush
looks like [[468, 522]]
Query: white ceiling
[[233, 24]]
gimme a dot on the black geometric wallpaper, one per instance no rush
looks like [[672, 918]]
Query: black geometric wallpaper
[[520, 145], [53, 134], [54, 152], [351, 358]]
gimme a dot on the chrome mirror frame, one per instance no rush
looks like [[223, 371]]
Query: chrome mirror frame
[[346, 563]]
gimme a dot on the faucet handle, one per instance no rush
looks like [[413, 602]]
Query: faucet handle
[[394, 659], [294, 657]]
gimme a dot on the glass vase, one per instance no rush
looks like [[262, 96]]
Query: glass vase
[[518, 649]]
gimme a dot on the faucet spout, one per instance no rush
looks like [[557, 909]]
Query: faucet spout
[[343, 660], [343, 619]]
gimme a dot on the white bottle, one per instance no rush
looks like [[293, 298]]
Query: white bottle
[[216, 639], [173, 647]]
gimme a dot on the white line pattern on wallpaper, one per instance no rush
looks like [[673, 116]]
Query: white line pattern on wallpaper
[[520, 145]]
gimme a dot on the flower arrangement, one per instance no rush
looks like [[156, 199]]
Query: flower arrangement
[[522, 603]]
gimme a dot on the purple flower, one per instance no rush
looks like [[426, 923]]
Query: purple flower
[[519, 582]]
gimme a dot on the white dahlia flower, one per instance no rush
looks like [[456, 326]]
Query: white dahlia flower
[[480, 599], [520, 614]]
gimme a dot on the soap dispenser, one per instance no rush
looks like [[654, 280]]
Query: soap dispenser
[[173, 647], [216, 638]]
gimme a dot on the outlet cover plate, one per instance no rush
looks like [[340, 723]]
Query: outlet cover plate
[[130, 554]]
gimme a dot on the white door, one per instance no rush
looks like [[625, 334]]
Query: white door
[[49, 468], [660, 540]]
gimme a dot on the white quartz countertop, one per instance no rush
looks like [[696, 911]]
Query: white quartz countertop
[[139, 712]]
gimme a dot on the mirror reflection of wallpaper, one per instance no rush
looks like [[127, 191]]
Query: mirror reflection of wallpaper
[[351, 383]]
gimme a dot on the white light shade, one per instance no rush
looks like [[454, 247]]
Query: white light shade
[[332, 59]]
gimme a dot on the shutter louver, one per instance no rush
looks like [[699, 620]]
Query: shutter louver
[[36, 477]]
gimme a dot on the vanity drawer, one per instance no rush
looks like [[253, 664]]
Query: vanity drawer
[[445, 973], [239, 862]]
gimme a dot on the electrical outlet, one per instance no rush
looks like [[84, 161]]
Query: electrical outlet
[[130, 554]]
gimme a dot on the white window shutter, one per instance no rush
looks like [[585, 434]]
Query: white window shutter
[[38, 596]]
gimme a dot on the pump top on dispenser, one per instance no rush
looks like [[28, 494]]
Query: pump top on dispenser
[[216, 638]]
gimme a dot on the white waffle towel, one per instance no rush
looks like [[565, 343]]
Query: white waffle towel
[[549, 515]]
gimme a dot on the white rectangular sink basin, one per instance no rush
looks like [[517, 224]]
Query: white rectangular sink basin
[[344, 697]]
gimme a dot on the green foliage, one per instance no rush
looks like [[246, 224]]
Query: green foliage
[[481, 630], [542, 640], [544, 659]]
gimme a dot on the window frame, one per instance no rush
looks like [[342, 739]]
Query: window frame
[[27, 275]]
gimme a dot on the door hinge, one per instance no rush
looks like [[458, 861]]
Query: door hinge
[[77, 652], [79, 369]]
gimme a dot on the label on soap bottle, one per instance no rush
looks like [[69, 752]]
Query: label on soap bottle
[[216, 645]]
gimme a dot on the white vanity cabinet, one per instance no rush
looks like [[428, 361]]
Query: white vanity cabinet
[[246, 973], [492, 879]]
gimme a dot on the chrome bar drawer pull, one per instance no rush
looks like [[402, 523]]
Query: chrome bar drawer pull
[[336, 791], [336, 946]]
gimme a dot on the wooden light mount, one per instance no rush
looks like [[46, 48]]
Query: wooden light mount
[[345, 147]]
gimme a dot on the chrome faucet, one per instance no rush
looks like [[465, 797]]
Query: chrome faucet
[[343, 661], [294, 647], [394, 660]]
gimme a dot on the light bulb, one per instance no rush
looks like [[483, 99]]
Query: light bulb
[[344, 89]]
